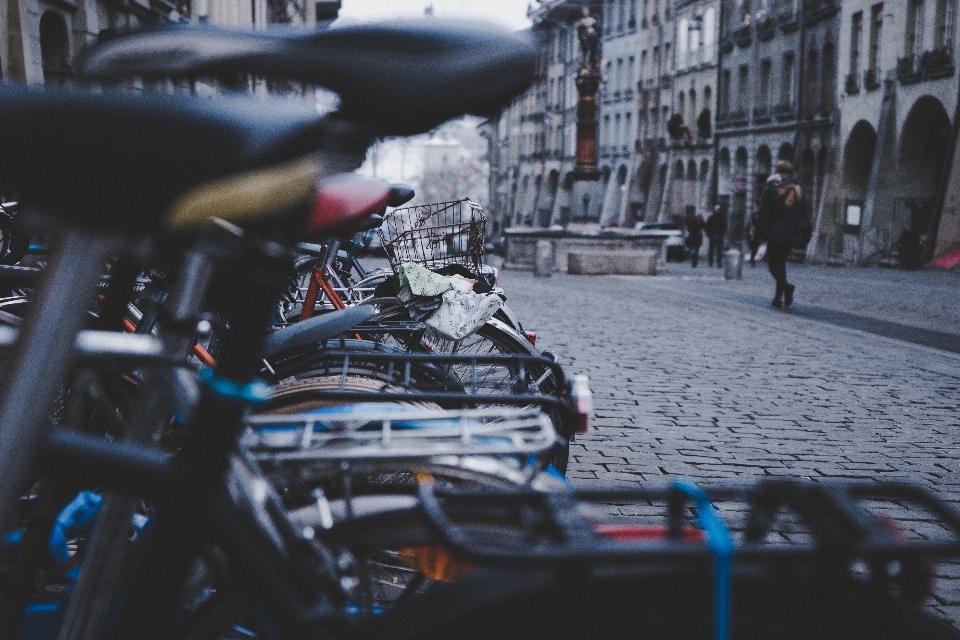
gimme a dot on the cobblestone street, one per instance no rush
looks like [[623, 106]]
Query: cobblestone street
[[696, 376]]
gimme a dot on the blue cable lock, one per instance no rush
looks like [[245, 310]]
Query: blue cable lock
[[720, 543], [256, 392]]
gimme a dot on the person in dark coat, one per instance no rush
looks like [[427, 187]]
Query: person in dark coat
[[716, 229], [694, 241], [782, 206]]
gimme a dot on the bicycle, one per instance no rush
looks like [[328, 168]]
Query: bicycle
[[575, 579], [216, 139]]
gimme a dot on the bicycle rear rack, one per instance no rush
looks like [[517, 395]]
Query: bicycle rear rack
[[397, 433], [464, 390], [839, 525]]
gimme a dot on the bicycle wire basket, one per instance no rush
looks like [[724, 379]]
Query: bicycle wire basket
[[435, 235]]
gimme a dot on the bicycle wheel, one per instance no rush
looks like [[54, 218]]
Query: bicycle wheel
[[497, 338]]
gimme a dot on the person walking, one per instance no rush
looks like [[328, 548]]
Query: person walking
[[694, 241], [783, 213], [716, 228]]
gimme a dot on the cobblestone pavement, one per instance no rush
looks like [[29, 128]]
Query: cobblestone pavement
[[696, 376]]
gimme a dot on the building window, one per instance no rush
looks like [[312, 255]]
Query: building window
[[811, 94], [693, 109], [763, 98], [876, 30], [696, 33], [946, 13], [682, 104], [682, 29], [631, 72], [827, 78], [913, 40], [709, 34], [786, 80], [621, 21], [856, 36], [725, 92], [743, 88]]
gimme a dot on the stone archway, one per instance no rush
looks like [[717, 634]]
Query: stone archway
[[599, 207], [762, 169], [858, 161], [547, 198], [724, 177], [522, 201], [690, 189], [724, 181], [924, 144], [675, 208], [785, 152], [619, 216], [738, 210], [704, 186], [565, 201], [54, 48]]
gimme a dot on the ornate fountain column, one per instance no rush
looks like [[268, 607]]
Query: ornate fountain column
[[588, 83]]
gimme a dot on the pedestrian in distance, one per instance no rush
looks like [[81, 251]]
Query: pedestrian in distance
[[754, 237], [694, 241], [716, 229], [785, 223]]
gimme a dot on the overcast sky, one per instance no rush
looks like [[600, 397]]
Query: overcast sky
[[509, 13]]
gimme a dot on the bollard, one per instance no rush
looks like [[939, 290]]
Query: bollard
[[543, 260], [732, 264]]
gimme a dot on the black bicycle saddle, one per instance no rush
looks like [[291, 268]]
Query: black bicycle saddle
[[400, 78], [119, 160]]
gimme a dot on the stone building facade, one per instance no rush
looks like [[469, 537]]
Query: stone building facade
[[700, 98], [777, 97], [533, 143], [683, 180], [41, 39], [627, 24], [898, 103]]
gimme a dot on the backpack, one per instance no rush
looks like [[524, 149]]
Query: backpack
[[802, 229]]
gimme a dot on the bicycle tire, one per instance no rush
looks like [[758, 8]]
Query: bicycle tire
[[497, 338]]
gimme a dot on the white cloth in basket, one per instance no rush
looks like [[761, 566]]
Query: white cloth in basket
[[461, 314]]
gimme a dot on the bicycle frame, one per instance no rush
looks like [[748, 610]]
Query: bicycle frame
[[194, 503]]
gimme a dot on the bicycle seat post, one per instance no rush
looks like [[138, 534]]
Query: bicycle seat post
[[98, 584]]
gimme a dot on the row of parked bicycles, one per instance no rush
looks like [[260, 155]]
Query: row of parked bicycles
[[216, 423]]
